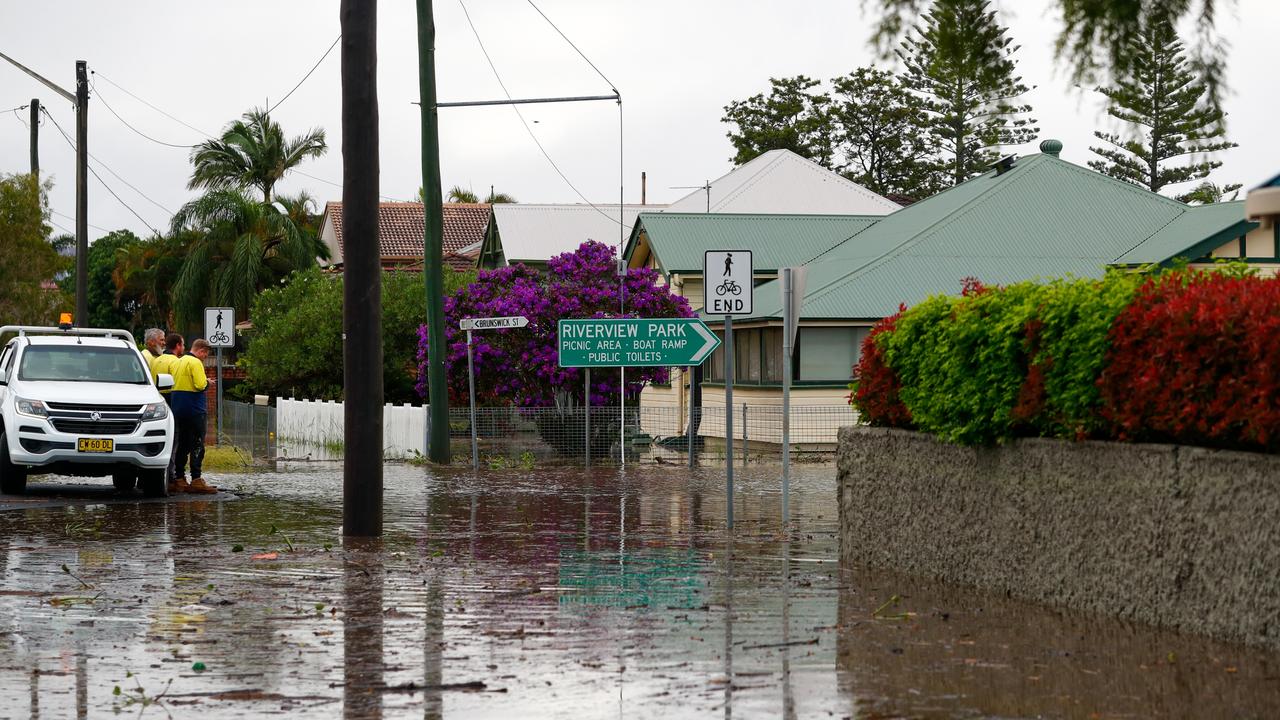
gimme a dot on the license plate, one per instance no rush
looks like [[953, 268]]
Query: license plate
[[95, 445]]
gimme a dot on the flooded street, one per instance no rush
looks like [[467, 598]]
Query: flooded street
[[556, 592]]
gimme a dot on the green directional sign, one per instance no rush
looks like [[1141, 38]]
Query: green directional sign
[[635, 342]]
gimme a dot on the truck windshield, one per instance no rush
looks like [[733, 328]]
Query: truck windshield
[[80, 363]]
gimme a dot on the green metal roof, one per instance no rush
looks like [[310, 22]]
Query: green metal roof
[[678, 240], [1045, 217], [1211, 225]]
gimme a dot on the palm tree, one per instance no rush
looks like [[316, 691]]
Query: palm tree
[[252, 152], [459, 194], [241, 247]]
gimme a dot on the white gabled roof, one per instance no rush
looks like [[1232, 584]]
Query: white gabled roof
[[539, 232], [780, 182]]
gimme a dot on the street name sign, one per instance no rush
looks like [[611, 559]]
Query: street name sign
[[634, 342], [220, 326], [494, 323], [727, 287]]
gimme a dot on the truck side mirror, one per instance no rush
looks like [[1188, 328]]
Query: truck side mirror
[[164, 381]]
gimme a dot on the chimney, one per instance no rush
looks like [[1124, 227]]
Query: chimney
[[642, 187]]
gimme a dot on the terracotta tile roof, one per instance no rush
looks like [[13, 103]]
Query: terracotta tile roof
[[400, 226]]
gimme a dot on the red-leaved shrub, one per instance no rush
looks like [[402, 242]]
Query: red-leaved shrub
[[875, 393], [1195, 359]]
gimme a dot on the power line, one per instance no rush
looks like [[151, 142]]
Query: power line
[[118, 177], [99, 177], [72, 219], [524, 122], [304, 77], [153, 107], [612, 87], [60, 226], [110, 109]]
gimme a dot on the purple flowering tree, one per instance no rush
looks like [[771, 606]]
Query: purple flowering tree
[[519, 367]]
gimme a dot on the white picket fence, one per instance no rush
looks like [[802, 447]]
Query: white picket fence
[[320, 422]]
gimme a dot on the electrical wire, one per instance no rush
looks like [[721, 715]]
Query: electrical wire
[[153, 107], [612, 87], [304, 77], [525, 123], [99, 177], [110, 109], [17, 116], [205, 134], [73, 219], [60, 226], [117, 176]]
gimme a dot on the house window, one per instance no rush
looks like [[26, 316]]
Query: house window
[[746, 356], [828, 354], [771, 349]]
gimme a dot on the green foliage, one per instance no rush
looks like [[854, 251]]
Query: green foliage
[[295, 347], [880, 131], [961, 362], [1094, 36], [251, 152], [996, 363], [144, 275], [1067, 345], [238, 247], [27, 259], [1208, 193], [960, 59], [791, 117], [1163, 108], [103, 310]]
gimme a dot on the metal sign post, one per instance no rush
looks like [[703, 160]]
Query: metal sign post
[[792, 285], [471, 395], [728, 287], [586, 428], [469, 324], [220, 332], [633, 342]]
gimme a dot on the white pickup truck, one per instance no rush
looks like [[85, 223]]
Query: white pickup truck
[[79, 401]]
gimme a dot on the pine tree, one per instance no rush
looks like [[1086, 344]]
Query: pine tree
[[1169, 115], [960, 59]]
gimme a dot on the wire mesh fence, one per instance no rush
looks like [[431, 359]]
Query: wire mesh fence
[[249, 427], [507, 436]]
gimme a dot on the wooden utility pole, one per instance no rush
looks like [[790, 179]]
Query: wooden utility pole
[[35, 138], [82, 194], [81, 100], [362, 285], [433, 238]]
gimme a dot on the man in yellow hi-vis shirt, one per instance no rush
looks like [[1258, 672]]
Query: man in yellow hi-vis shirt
[[191, 412]]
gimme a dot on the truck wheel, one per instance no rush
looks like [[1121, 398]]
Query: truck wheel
[[125, 480], [153, 483], [13, 479]]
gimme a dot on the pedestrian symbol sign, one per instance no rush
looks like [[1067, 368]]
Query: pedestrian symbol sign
[[727, 287], [220, 326]]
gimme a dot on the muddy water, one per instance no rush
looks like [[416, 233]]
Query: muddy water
[[546, 593]]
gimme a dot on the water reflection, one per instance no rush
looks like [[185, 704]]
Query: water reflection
[[363, 581], [551, 593]]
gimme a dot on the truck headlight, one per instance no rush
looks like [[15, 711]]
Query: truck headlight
[[32, 408], [155, 411]]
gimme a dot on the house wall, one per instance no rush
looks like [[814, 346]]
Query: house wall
[[1258, 243], [330, 239]]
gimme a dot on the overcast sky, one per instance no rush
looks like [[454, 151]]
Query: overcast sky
[[676, 64]]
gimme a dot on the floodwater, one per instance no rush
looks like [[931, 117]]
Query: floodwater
[[546, 593]]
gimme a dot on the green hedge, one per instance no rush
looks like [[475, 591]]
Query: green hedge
[[995, 363]]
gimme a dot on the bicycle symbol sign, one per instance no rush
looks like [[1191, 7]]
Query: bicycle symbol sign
[[219, 326], [728, 282]]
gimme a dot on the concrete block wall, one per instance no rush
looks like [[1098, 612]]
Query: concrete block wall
[[1177, 537]]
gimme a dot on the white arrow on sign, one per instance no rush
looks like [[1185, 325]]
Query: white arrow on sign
[[710, 342], [496, 323]]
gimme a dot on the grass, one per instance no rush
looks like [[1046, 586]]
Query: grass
[[227, 458]]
